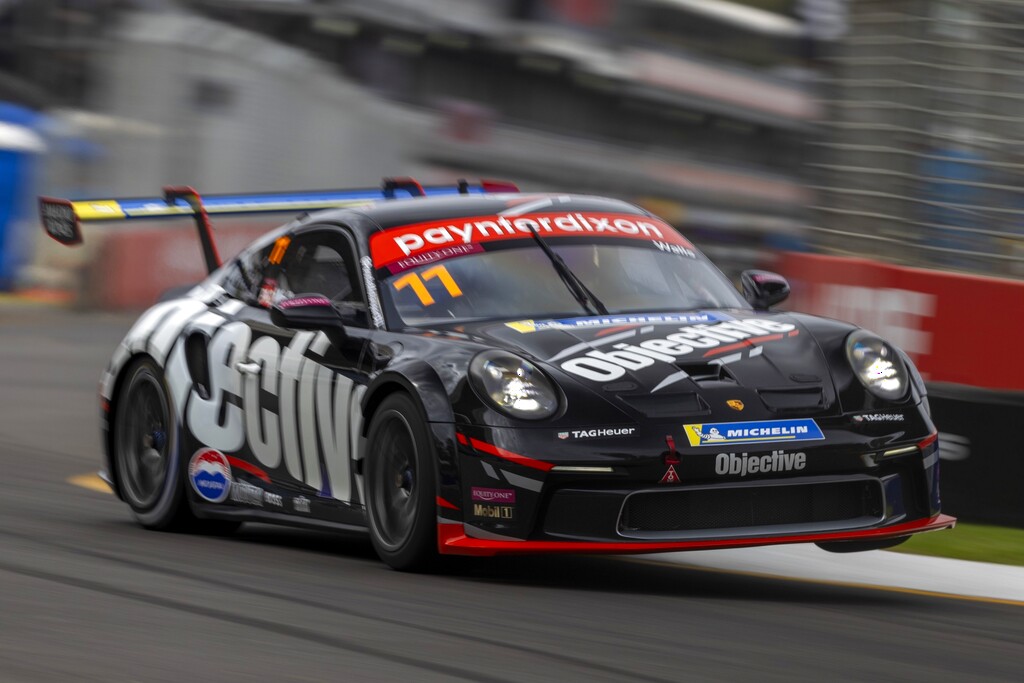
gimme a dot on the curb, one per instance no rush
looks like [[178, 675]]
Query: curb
[[56, 298]]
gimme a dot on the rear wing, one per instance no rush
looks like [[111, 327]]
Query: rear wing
[[63, 218]]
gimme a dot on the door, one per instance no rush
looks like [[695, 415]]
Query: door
[[300, 393]]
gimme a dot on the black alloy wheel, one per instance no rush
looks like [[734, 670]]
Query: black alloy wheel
[[147, 463], [145, 447], [400, 486]]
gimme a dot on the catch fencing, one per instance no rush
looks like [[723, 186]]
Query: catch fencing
[[922, 156]]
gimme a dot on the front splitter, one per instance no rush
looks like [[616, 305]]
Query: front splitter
[[452, 540]]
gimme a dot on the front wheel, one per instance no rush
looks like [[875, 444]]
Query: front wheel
[[400, 486]]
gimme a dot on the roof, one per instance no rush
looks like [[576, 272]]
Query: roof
[[392, 213]]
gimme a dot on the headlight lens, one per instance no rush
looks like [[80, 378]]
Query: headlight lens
[[877, 365], [514, 385]]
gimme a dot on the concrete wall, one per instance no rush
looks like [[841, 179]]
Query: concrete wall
[[229, 110]]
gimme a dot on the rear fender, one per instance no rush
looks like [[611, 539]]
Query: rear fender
[[154, 335]]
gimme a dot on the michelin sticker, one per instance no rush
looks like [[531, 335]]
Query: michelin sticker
[[752, 432], [210, 475]]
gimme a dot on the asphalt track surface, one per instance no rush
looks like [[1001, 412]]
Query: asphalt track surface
[[85, 595]]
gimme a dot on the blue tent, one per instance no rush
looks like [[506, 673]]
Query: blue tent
[[20, 147]]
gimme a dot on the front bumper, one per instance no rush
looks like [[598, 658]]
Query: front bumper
[[504, 501]]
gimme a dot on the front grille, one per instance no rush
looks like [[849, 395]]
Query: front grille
[[810, 505]]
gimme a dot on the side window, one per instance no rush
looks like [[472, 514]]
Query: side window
[[317, 268], [322, 262], [245, 274]]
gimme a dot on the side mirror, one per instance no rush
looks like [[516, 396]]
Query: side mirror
[[763, 289], [310, 312]]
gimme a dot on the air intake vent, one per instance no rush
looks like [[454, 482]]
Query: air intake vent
[[667, 405], [743, 509], [783, 400], [707, 372]]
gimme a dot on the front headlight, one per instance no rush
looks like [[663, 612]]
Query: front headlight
[[877, 365], [514, 385]]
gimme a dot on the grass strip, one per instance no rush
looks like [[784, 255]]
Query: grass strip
[[976, 542]]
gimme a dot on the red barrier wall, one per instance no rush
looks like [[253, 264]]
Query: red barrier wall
[[958, 328], [134, 267]]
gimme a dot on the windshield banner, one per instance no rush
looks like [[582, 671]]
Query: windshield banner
[[413, 245]]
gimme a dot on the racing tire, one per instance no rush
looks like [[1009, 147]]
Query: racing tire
[[147, 461], [861, 546], [400, 485]]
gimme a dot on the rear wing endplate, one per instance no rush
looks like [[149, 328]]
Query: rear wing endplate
[[63, 218]]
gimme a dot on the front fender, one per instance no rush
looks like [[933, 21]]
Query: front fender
[[420, 381]]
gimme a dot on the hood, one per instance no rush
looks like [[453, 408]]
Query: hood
[[664, 365]]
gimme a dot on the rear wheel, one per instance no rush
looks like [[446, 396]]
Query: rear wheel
[[400, 486], [146, 458]]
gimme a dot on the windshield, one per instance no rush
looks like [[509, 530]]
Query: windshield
[[517, 280]]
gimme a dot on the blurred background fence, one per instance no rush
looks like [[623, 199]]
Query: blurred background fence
[[922, 150]]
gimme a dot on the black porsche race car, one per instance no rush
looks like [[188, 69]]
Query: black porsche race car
[[473, 371]]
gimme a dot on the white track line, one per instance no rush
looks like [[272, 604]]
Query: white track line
[[871, 568]]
